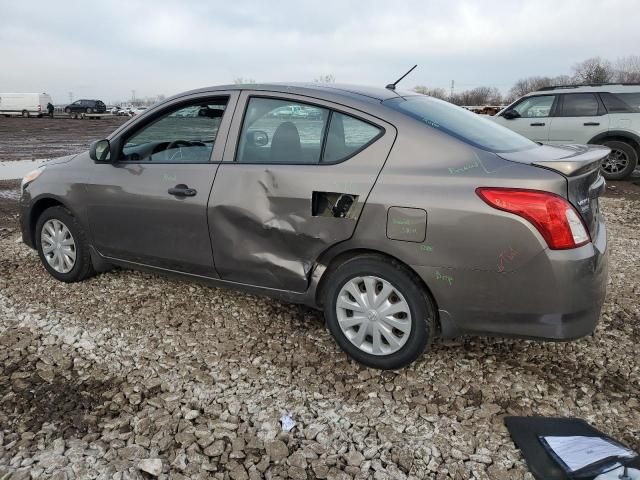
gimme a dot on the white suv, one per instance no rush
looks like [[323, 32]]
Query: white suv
[[607, 114]]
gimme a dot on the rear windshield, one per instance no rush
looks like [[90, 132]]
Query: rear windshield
[[467, 126]]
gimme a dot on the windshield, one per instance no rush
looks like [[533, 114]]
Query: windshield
[[467, 126]]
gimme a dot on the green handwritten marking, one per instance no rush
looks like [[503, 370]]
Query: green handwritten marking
[[455, 171], [169, 178], [444, 278], [409, 230], [426, 248], [401, 221]]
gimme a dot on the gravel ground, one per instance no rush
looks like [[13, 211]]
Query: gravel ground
[[130, 373]]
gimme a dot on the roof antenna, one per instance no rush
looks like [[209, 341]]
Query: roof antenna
[[392, 86]]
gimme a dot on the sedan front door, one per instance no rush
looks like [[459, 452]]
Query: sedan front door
[[150, 205]]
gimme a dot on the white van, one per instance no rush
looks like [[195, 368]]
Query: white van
[[25, 104]]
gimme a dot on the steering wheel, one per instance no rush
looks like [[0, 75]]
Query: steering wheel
[[178, 143]]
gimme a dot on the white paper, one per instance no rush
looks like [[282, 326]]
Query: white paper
[[287, 423], [577, 452]]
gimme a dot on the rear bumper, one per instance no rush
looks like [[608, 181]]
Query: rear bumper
[[557, 296]]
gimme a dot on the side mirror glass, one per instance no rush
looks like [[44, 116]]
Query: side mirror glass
[[257, 138], [100, 151], [511, 114]]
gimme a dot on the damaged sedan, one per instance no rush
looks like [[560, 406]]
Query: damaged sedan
[[402, 217]]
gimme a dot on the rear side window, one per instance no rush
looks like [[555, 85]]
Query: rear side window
[[461, 124], [347, 136], [579, 105], [621, 102], [282, 131]]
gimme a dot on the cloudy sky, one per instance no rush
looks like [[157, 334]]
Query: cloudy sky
[[107, 49]]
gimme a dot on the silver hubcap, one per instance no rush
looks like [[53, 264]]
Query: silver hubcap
[[615, 162], [58, 246], [373, 315]]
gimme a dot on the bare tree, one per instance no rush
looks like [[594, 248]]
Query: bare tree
[[531, 84], [628, 69], [440, 93], [478, 96], [325, 79], [243, 80], [593, 70]]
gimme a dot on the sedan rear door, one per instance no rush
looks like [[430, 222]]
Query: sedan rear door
[[291, 186]]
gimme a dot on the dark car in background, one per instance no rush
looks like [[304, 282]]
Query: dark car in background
[[86, 106], [402, 217]]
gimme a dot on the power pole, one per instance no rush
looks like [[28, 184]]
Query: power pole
[[133, 96], [452, 84], [70, 97]]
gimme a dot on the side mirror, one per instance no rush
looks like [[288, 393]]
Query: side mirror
[[510, 114], [257, 138], [100, 151]]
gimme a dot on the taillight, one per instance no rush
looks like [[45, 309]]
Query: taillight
[[553, 216]]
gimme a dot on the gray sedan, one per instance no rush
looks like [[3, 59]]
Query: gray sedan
[[402, 217]]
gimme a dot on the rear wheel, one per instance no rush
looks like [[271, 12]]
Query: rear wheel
[[621, 162], [378, 311], [25, 114], [89, 110], [67, 110], [62, 246]]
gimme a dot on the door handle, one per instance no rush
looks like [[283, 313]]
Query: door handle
[[539, 124], [591, 124], [181, 190]]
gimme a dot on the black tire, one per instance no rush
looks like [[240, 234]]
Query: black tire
[[25, 114], [67, 110], [89, 110], [625, 153], [421, 307], [83, 268]]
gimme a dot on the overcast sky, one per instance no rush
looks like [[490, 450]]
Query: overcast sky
[[107, 49]]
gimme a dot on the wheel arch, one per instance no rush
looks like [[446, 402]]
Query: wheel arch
[[38, 208], [334, 261], [619, 135]]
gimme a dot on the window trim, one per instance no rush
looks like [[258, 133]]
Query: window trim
[[325, 134], [159, 114], [552, 111], [600, 112]]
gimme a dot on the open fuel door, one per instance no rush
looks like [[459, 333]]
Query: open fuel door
[[294, 181]]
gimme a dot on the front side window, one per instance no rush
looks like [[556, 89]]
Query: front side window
[[580, 105], [186, 134], [281, 131], [535, 107], [461, 124], [347, 136]]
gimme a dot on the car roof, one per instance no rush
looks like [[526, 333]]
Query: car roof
[[320, 90], [601, 87]]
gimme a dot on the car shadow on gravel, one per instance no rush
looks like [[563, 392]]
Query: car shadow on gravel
[[33, 393]]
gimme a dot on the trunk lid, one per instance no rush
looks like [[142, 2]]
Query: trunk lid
[[580, 165]]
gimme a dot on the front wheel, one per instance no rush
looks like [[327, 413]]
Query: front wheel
[[378, 311], [62, 246], [621, 162]]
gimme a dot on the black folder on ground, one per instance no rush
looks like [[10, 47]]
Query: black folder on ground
[[526, 433]]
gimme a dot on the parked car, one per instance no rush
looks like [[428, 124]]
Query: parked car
[[24, 104], [607, 114], [86, 106], [401, 216], [290, 111], [137, 111]]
